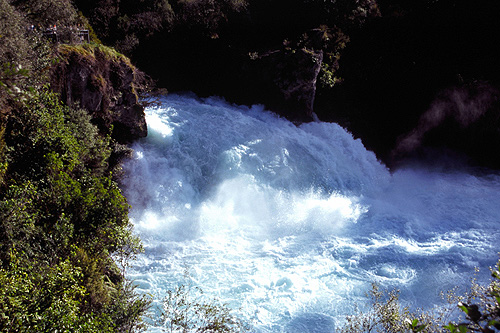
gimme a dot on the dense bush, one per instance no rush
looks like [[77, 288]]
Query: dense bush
[[14, 50], [45, 13], [62, 219], [124, 23]]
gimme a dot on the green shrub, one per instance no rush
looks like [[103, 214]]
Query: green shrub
[[186, 309], [63, 223], [14, 48], [3, 161], [206, 16], [37, 297], [46, 13], [481, 307], [123, 23]]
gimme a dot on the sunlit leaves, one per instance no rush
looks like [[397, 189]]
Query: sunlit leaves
[[482, 312], [186, 309], [61, 218]]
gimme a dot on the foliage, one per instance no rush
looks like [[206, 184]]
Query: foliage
[[206, 16], [481, 307], [186, 309], [123, 23], [42, 298], [14, 48], [332, 41], [64, 225], [62, 217], [11, 77], [3, 162], [344, 13], [46, 13], [386, 315], [22, 52]]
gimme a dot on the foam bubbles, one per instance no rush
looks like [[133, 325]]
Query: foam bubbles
[[156, 125], [291, 225]]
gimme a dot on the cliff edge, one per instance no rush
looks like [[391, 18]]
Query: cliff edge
[[104, 83]]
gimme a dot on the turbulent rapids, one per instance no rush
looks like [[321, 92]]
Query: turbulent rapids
[[290, 225]]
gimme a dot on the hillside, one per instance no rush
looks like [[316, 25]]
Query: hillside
[[64, 228]]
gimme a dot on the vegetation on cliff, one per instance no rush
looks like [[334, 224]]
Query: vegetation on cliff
[[65, 237], [106, 84]]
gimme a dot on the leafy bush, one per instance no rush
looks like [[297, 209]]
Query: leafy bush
[[123, 23], [46, 13], [14, 51], [206, 16], [481, 307], [37, 297], [186, 309], [14, 47], [64, 225], [63, 220]]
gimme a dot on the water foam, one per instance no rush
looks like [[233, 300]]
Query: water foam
[[290, 225]]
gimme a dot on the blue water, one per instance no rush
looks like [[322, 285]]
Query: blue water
[[290, 225]]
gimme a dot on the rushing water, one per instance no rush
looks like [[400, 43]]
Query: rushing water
[[290, 225]]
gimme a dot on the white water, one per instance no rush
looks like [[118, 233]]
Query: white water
[[290, 226]]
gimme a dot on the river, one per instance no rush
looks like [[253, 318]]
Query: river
[[289, 225]]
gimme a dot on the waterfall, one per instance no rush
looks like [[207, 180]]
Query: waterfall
[[290, 225]]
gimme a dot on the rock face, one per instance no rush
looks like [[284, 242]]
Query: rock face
[[281, 77], [288, 81], [102, 82]]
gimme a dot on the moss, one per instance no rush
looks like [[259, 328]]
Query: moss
[[98, 82], [66, 50], [92, 51]]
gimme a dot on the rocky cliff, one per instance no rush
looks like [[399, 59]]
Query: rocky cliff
[[284, 80], [104, 83]]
